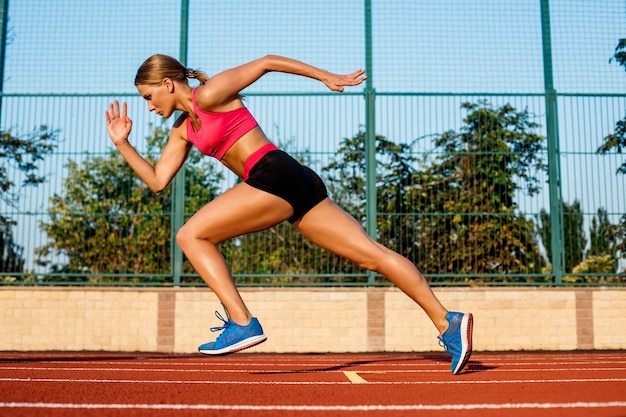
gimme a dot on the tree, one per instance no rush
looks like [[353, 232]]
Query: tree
[[617, 141], [396, 168], [603, 235], [601, 257], [106, 221], [19, 153], [573, 231], [472, 226], [11, 255], [596, 264], [455, 212]]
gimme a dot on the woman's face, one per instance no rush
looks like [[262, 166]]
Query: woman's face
[[159, 97]]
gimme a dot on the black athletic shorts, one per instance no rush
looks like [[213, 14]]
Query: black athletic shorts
[[279, 174]]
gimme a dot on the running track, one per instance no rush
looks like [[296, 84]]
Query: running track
[[244, 384]]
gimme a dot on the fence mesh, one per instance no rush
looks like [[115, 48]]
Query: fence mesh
[[460, 90]]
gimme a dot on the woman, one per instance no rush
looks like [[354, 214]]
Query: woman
[[275, 188]]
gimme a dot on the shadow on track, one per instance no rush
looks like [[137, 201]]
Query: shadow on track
[[472, 366]]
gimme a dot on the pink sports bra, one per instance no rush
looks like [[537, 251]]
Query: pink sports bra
[[219, 130]]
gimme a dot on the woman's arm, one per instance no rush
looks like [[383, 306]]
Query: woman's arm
[[222, 88], [172, 158]]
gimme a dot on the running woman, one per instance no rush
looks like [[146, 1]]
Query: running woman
[[275, 188]]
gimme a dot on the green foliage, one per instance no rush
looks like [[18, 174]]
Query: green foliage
[[620, 53], [100, 217], [597, 265], [575, 240], [621, 237], [454, 213], [469, 223], [23, 153], [396, 167], [19, 153], [106, 221], [451, 212], [603, 235], [11, 254], [617, 141], [600, 258]]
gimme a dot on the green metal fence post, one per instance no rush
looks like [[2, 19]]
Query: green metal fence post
[[178, 185], [4, 17], [554, 157], [370, 136]]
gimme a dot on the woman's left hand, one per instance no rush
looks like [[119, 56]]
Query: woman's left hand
[[119, 124]]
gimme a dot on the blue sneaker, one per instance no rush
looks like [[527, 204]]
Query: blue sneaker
[[234, 337], [457, 339]]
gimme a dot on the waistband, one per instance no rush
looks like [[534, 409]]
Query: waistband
[[256, 157]]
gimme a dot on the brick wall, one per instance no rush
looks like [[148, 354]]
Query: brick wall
[[308, 319]]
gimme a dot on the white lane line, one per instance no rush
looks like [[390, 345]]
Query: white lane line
[[270, 371], [417, 407], [219, 382], [354, 377]]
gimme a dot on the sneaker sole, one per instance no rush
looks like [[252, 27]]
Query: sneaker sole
[[467, 326], [244, 344]]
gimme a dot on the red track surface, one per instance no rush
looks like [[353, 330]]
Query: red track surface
[[512, 384]]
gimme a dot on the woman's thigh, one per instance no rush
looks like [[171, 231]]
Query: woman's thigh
[[330, 227], [240, 210]]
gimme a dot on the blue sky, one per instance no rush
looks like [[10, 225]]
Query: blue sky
[[419, 45]]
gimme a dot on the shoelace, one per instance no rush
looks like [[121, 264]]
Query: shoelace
[[226, 324], [442, 343]]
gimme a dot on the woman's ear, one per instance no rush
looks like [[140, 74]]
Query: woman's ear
[[169, 84]]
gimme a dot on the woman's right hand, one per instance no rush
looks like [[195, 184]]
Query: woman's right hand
[[336, 82], [118, 125]]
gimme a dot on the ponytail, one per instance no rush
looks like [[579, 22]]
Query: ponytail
[[158, 66], [196, 74]]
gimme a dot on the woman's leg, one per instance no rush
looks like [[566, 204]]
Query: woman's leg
[[242, 209], [331, 228]]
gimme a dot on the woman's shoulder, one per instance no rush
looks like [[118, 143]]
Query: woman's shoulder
[[208, 97], [203, 97]]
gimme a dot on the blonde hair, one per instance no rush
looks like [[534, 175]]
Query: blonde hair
[[157, 67]]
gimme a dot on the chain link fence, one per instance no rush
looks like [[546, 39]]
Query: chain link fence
[[474, 148]]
